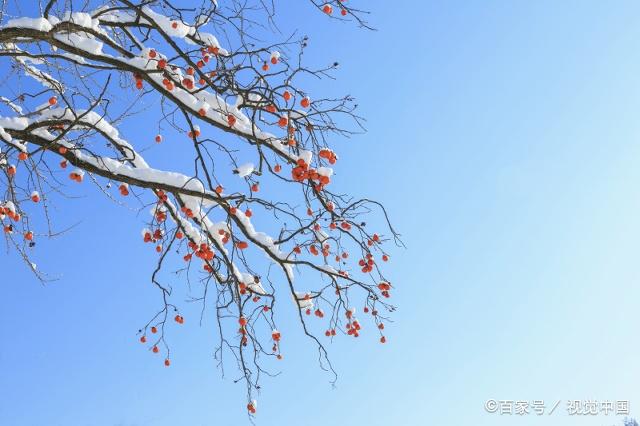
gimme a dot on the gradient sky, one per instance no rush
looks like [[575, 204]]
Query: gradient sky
[[503, 138]]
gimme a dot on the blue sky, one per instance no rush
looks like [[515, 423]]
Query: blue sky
[[503, 138]]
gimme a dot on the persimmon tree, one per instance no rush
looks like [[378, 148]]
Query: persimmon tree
[[79, 73]]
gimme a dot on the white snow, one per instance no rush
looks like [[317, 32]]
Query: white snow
[[305, 155], [252, 285], [245, 169], [39, 24], [4, 135], [302, 301], [167, 25], [325, 171], [13, 106], [78, 41]]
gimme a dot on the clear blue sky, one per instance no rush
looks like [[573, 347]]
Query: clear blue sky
[[508, 132]]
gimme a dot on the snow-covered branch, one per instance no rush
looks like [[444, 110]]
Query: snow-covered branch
[[243, 141]]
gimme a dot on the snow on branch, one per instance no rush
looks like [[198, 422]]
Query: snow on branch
[[253, 212]]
